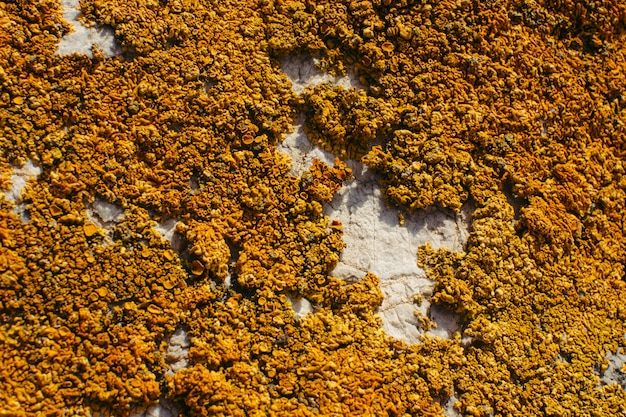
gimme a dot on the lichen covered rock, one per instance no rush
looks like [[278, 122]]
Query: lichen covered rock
[[516, 107]]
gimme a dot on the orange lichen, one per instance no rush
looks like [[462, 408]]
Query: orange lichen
[[209, 246], [197, 268], [90, 229], [247, 139], [427, 171], [345, 121], [335, 225], [322, 182], [514, 106]]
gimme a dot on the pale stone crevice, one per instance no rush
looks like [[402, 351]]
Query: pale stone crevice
[[167, 230], [301, 306], [302, 70], [163, 409], [19, 180], [176, 358], [615, 373], [82, 39], [177, 353], [105, 214], [301, 151], [448, 407], [376, 238], [378, 241]]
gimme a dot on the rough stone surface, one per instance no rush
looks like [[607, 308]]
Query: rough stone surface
[[83, 39], [375, 240], [19, 179], [511, 111]]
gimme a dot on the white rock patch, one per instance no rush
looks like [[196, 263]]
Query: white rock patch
[[377, 243], [163, 409], [82, 38], [177, 358], [616, 371], [19, 179], [105, 215], [301, 69], [301, 151], [448, 407], [177, 353], [375, 240], [167, 230], [301, 306]]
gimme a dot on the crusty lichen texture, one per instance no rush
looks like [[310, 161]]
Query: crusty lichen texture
[[518, 107]]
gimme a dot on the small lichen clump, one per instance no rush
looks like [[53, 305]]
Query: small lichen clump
[[345, 121], [499, 104]]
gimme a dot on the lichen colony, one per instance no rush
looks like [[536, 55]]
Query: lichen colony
[[517, 107]]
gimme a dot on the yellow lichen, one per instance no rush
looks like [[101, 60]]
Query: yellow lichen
[[345, 121], [514, 107]]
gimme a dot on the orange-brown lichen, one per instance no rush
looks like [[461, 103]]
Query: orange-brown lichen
[[521, 97], [209, 247], [321, 182], [470, 101], [345, 121], [426, 171]]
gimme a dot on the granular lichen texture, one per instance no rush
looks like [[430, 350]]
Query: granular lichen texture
[[516, 107]]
